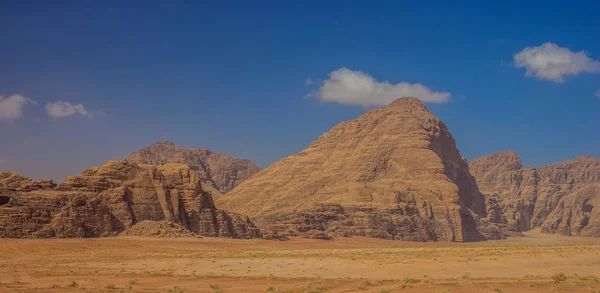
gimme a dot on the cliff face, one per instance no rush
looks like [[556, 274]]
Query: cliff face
[[106, 200], [393, 173], [218, 171], [559, 198]]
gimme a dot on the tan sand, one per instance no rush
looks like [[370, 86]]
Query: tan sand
[[136, 264]]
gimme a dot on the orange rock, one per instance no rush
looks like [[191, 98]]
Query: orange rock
[[560, 198], [393, 173], [105, 200], [217, 171]]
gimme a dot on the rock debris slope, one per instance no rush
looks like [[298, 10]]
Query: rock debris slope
[[393, 173], [106, 200], [561, 198], [218, 171], [160, 229]]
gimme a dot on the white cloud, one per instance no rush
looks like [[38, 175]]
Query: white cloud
[[11, 108], [63, 109], [308, 81], [552, 62], [354, 87], [597, 94]]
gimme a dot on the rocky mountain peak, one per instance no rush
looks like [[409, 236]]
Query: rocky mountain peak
[[165, 142], [407, 102], [394, 172], [504, 160], [218, 172]]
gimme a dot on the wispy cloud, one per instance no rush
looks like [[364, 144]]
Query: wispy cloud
[[551, 62], [308, 81], [597, 94], [354, 87], [11, 107], [61, 109]]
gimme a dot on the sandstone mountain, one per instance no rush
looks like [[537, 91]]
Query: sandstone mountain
[[107, 200], [560, 198], [218, 172], [393, 173]]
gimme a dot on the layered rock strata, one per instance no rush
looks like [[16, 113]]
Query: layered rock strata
[[106, 200], [217, 171], [393, 173], [561, 198]]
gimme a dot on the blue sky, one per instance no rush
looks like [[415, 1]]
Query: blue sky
[[231, 76]]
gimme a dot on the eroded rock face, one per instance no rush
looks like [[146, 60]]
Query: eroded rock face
[[218, 171], [106, 200], [560, 198], [393, 173]]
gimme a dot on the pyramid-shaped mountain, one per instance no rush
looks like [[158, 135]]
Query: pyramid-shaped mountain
[[393, 173]]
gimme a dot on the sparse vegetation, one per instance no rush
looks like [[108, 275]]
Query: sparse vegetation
[[366, 283], [176, 289], [272, 289], [559, 277], [589, 278], [216, 288], [280, 269], [317, 290]]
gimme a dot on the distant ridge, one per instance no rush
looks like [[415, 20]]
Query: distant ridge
[[562, 198], [219, 172]]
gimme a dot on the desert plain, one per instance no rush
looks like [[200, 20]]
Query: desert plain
[[534, 263]]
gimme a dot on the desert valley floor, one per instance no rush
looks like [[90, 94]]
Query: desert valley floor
[[535, 263]]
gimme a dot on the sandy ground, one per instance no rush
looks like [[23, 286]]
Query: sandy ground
[[132, 264]]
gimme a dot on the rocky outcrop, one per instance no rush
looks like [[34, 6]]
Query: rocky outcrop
[[14, 181], [393, 173], [578, 213], [218, 171], [160, 229], [106, 200], [560, 198]]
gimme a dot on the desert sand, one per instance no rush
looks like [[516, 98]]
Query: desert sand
[[534, 263]]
